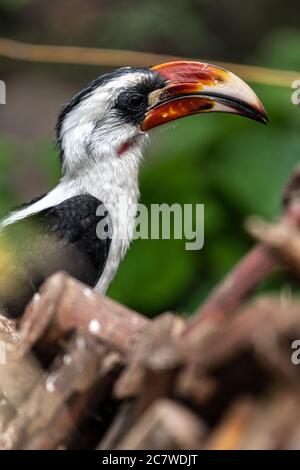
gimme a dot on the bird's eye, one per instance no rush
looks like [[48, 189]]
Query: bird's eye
[[131, 102], [135, 100]]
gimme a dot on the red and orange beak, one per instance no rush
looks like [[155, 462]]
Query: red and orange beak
[[196, 87]]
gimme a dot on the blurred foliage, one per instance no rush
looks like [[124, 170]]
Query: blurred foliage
[[281, 50], [160, 19], [13, 4], [234, 166]]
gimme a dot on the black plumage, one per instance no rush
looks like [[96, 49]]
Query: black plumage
[[62, 237]]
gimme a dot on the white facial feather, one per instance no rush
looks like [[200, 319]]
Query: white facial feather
[[92, 124]]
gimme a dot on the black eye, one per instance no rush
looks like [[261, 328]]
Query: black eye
[[135, 100], [131, 101]]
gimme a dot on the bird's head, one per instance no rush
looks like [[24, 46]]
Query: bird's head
[[110, 118]]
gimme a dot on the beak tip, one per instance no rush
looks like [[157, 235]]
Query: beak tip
[[264, 118], [257, 112]]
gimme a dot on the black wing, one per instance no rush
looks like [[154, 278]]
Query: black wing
[[69, 237]]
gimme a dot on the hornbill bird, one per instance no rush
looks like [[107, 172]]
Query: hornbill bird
[[100, 134]]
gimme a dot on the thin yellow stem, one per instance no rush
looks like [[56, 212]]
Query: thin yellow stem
[[115, 57]]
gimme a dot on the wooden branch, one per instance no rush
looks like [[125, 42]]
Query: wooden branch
[[274, 421], [65, 304], [233, 427], [251, 271], [262, 332], [165, 426], [152, 366], [236, 287], [257, 425], [18, 376], [282, 240], [78, 55], [8, 330], [118, 429], [50, 416], [149, 350], [262, 319]]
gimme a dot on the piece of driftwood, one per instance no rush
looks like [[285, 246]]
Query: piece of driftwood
[[118, 428], [166, 425], [49, 417], [8, 330], [228, 435], [65, 304], [252, 269], [150, 353], [256, 334], [257, 425], [152, 365], [237, 286], [276, 417], [282, 240]]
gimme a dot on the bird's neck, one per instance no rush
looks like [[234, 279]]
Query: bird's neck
[[114, 182], [107, 177], [104, 164]]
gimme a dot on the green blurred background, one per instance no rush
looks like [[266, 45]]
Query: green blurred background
[[234, 166]]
